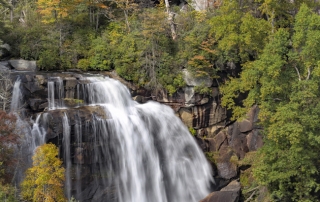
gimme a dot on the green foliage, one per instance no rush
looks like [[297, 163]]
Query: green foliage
[[275, 46], [44, 180], [212, 156], [202, 89], [284, 82], [7, 193], [192, 131], [83, 64]]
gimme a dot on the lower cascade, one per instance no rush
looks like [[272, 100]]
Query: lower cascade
[[115, 149]]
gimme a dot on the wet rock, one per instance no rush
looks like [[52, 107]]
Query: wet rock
[[139, 99], [70, 87], [53, 117], [36, 104]]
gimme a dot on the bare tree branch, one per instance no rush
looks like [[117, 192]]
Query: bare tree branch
[[5, 89], [297, 70], [309, 72]]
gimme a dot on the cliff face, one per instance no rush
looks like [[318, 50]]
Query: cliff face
[[225, 143]]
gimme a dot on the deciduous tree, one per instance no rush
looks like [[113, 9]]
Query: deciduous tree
[[44, 180]]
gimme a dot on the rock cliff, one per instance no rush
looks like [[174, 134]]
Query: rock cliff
[[225, 143]]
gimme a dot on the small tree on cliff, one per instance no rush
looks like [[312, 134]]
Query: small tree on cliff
[[44, 180], [9, 139]]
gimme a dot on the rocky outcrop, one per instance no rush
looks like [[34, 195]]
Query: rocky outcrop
[[226, 143], [23, 65], [230, 193]]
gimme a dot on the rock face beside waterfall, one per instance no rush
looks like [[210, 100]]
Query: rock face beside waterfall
[[225, 142], [113, 149]]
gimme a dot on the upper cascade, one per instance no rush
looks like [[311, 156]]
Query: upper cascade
[[115, 149]]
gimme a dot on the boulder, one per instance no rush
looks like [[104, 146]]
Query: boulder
[[216, 142], [245, 126], [23, 65], [233, 186], [254, 140], [222, 196], [227, 169]]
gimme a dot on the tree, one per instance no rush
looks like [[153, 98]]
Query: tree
[[8, 140], [284, 83], [5, 89], [44, 180]]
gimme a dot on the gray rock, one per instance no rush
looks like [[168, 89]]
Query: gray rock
[[5, 46], [23, 65], [245, 126], [227, 170], [139, 99], [222, 196], [4, 68], [254, 140], [233, 186], [186, 116]]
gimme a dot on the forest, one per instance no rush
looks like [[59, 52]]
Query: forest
[[262, 52]]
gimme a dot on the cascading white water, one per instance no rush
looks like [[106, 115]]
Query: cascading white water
[[141, 152], [67, 155], [16, 99], [78, 152], [150, 153], [55, 93]]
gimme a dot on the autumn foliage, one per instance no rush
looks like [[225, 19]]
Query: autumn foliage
[[8, 141], [44, 180]]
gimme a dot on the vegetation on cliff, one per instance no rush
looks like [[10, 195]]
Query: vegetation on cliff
[[266, 50], [44, 180]]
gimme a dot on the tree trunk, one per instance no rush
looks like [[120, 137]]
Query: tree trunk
[[170, 20]]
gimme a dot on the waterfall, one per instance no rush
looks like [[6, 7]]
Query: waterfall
[[138, 152], [16, 99], [78, 153], [67, 155], [55, 93]]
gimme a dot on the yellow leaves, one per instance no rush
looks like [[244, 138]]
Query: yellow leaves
[[52, 10], [103, 6], [200, 16], [44, 181]]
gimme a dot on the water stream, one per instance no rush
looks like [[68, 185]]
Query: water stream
[[141, 152]]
